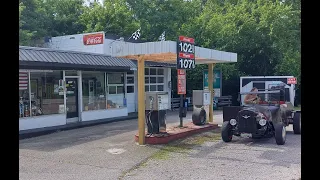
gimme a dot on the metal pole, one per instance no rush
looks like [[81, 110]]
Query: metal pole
[[181, 110]]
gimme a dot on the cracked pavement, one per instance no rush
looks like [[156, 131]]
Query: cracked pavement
[[108, 151]]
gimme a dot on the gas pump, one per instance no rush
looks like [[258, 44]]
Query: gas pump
[[157, 104], [201, 101]]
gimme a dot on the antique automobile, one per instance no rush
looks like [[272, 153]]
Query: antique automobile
[[267, 116]]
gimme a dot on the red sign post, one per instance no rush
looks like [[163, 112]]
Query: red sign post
[[181, 81], [185, 60]]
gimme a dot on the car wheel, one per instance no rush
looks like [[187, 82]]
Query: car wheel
[[203, 117], [280, 133], [199, 116], [226, 131], [297, 123]]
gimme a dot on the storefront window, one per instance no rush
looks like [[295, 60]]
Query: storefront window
[[154, 79], [93, 90], [116, 93], [24, 101], [130, 82], [47, 93]]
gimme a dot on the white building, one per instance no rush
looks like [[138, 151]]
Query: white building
[[81, 79], [105, 86], [157, 75]]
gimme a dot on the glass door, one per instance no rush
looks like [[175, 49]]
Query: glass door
[[72, 99]]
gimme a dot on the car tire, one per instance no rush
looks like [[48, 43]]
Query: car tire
[[199, 116], [297, 123], [203, 117], [226, 132], [280, 133]]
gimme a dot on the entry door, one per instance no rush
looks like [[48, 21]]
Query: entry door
[[72, 104]]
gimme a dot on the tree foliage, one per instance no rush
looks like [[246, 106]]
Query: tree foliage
[[264, 34], [113, 16]]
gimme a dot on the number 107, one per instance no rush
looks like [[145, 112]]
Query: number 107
[[187, 63]]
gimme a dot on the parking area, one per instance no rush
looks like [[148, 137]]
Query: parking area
[[210, 158], [108, 151]]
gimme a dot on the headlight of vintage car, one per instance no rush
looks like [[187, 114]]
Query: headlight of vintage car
[[262, 122], [233, 122], [261, 119]]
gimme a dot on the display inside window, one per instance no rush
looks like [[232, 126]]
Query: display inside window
[[116, 94], [47, 92], [24, 101], [93, 91]]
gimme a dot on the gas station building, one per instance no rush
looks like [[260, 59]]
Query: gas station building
[[94, 76]]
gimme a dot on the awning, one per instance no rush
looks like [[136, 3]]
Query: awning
[[44, 58], [166, 52]]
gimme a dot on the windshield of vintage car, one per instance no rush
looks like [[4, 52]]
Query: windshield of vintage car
[[264, 98]]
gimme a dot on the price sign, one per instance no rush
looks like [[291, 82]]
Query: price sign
[[181, 81], [185, 53]]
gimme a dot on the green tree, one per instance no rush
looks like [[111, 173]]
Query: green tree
[[264, 34], [32, 22], [113, 16], [63, 16], [156, 16]]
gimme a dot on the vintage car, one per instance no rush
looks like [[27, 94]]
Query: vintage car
[[267, 117]]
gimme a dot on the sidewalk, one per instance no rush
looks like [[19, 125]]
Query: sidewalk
[[103, 151]]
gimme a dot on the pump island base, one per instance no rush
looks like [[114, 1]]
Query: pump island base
[[175, 133]]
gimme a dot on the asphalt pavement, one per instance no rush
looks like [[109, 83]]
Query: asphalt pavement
[[108, 151]]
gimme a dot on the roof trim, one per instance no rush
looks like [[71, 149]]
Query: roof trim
[[35, 56], [166, 51]]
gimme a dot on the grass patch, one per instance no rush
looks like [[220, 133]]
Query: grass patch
[[180, 146], [164, 153], [198, 140], [185, 145]]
